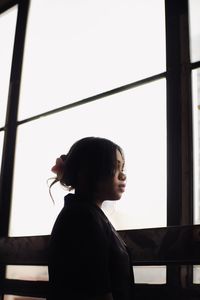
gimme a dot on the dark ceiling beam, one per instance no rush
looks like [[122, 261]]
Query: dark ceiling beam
[[6, 4]]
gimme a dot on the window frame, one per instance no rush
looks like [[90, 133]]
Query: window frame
[[10, 127], [179, 119]]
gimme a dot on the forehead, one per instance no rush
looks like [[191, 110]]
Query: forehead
[[119, 156]]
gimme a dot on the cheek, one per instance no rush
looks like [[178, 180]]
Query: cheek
[[106, 189], [114, 191], [109, 189]]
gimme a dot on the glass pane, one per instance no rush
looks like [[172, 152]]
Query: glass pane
[[196, 274], [1, 144], [86, 47], [135, 119], [14, 297], [1, 147], [27, 273], [196, 154], [7, 33], [150, 274], [194, 14], [196, 139]]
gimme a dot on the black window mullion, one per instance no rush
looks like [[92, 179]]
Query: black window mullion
[[186, 120], [173, 112], [179, 115], [179, 126], [10, 126], [11, 119]]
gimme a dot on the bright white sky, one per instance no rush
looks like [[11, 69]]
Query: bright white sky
[[75, 49], [194, 6], [135, 120]]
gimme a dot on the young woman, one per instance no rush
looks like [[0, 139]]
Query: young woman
[[87, 259]]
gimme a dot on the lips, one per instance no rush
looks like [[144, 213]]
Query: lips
[[122, 187]]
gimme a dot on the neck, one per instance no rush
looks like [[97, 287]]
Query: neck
[[91, 197], [99, 203]]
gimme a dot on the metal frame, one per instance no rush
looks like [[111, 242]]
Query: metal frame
[[179, 118], [6, 4], [11, 120], [171, 246], [179, 115], [179, 129]]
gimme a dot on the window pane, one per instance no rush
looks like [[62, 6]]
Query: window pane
[[194, 8], [196, 139], [7, 32], [32, 273], [150, 274], [135, 119], [14, 297], [86, 47], [196, 154], [1, 144], [196, 274]]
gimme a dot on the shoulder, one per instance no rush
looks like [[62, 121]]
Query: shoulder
[[81, 218]]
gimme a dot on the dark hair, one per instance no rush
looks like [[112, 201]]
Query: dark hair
[[93, 157]]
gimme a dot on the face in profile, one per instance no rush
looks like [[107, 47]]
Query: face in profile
[[112, 188]]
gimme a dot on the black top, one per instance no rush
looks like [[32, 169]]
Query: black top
[[87, 256]]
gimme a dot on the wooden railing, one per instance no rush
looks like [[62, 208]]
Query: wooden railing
[[172, 246]]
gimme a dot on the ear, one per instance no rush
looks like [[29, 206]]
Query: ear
[[82, 178]]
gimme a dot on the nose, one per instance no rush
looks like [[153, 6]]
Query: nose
[[122, 176]]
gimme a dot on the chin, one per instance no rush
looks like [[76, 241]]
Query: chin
[[114, 196], [117, 197]]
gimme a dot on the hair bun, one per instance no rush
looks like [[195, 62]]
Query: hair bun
[[63, 157], [58, 168]]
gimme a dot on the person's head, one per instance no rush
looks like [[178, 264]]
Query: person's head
[[93, 166]]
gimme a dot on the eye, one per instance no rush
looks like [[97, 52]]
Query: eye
[[120, 166], [123, 168]]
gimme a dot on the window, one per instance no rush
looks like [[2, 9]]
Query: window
[[83, 49], [27, 273], [64, 63], [194, 7], [196, 138], [112, 117], [7, 32], [196, 155], [14, 297], [97, 68], [194, 10], [1, 144], [150, 274]]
